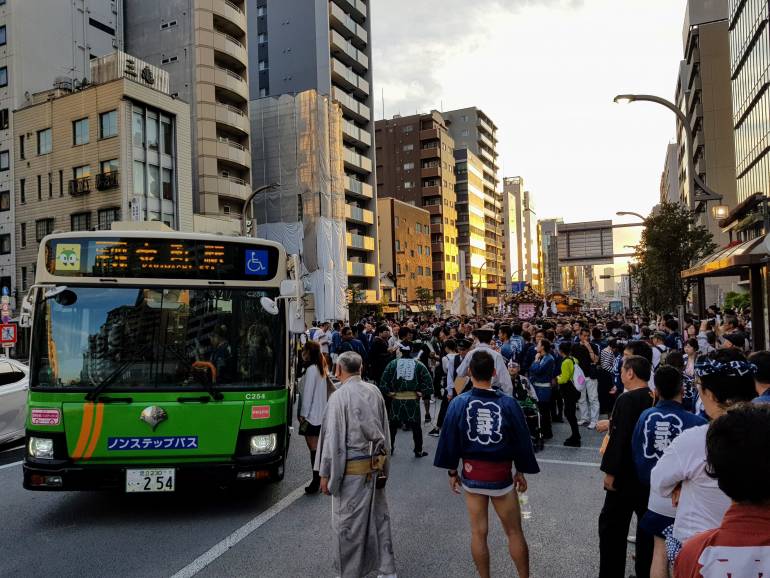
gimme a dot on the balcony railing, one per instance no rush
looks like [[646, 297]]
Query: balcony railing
[[81, 186], [230, 73], [106, 181], [234, 6]]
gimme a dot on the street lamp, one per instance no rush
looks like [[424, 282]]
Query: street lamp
[[626, 213], [480, 302], [708, 193], [248, 207]]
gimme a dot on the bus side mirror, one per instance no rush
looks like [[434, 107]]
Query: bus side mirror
[[269, 305]]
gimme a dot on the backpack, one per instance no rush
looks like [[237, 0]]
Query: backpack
[[663, 357], [578, 377]]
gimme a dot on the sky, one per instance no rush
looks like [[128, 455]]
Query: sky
[[545, 71]]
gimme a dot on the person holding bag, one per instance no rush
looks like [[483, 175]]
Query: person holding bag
[[569, 392], [318, 387]]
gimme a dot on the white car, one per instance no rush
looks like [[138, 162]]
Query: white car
[[14, 384]]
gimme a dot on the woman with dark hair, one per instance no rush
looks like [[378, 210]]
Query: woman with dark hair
[[568, 391], [691, 351], [313, 406], [540, 373], [724, 379]]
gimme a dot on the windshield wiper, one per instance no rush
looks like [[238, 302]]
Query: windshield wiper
[[208, 385], [110, 379]]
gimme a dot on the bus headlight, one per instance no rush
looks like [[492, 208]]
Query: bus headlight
[[41, 448], [263, 444]]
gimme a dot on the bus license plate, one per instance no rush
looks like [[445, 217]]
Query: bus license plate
[[150, 480]]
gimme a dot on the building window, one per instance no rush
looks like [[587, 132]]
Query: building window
[[427, 251], [50, 185], [44, 141], [398, 245], [5, 160], [408, 166], [408, 184], [2, 36], [262, 92], [4, 119], [260, 10], [408, 147], [40, 187], [408, 128], [107, 217], [108, 124], [262, 38], [80, 131], [109, 166], [166, 136], [5, 201], [167, 184], [61, 183], [4, 76], [169, 60], [80, 221], [23, 234], [24, 279], [81, 183], [22, 151], [22, 191], [43, 227], [138, 128], [82, 171]]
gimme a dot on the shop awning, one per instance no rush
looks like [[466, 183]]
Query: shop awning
[[730, 260]]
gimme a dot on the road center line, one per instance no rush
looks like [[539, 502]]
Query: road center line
[[243, 532], [6, 466], [568, 463]]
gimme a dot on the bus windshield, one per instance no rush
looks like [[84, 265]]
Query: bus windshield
[[156, 338]]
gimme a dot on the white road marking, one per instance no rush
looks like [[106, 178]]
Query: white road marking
[[241, 533], [585, 448], [6, 466], [568, 463]]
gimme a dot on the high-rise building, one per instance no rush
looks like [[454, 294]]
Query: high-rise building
[[522, 260], [472, 129], [323, 45], [548, 244], [669, 178], [202, 45], [404, 247], [117, 149], [749, 69], [43, 43], [703, 94], [416, 165], [609, 280]]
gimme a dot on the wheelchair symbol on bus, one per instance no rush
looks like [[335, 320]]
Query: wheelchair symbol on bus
[[256, 262]]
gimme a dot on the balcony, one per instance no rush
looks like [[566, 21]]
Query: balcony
[[361, 216], [234, 152], [358, 189], [107, 181], [429, 134], [357, 162], [432, 191], [356, 8], [348, 27], [431, 172], [357, 136], [350, 106], [349, 79], [486, 126], [430, 153], [231, 46], [234, 187], [231, 81], [233, 117], [348, 53], [231, 12], [360, 269], [485, 141], [81, 186], [360, 242]]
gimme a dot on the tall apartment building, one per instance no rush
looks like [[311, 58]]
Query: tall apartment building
[[472, 129], [42, 42], [522, 250], [202, 46], [404, 239], [750, 69], [703, 94], [324, 45], [416, 165], [669, 178], [117, 149], [548, 245]]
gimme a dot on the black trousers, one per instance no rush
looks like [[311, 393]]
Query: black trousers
[[571, 397], [442, 410], [545, 418], [557, 402], [614, 522], [416, 428]]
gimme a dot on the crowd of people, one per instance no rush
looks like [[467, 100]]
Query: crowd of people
[[684, 449]]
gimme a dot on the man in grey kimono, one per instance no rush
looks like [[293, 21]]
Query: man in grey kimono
[[353, 451]]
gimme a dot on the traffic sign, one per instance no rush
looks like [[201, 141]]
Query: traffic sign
[[8, 334]]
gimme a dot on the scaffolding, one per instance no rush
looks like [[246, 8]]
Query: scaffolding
[[299, 146]]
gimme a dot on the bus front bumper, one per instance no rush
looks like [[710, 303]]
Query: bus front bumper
[[112, 477]]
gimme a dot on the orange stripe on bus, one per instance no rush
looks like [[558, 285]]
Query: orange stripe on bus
[[85, 429], [97, 431]]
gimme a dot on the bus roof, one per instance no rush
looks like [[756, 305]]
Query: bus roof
[[153, 257]]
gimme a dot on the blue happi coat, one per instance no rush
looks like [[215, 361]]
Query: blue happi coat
[[489, 426], [657, 427]]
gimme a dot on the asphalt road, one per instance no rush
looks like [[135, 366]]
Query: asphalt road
[[277, 531]]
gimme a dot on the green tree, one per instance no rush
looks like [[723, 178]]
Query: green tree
[[671, 242], [737, 300], [424, 296]]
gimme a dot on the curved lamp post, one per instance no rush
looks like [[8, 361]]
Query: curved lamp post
[[248, 207], [707, 194]]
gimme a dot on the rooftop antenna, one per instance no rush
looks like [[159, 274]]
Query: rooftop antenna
[[383, 102]]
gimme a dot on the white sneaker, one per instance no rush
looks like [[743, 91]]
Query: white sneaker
[[592, 425], [583, 422]]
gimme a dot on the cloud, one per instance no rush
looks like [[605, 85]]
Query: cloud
[[414, 40]]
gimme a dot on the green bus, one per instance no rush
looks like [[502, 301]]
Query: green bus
[[159, 361]]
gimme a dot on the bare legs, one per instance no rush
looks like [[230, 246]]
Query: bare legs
[[659, 559], [507, 509]]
